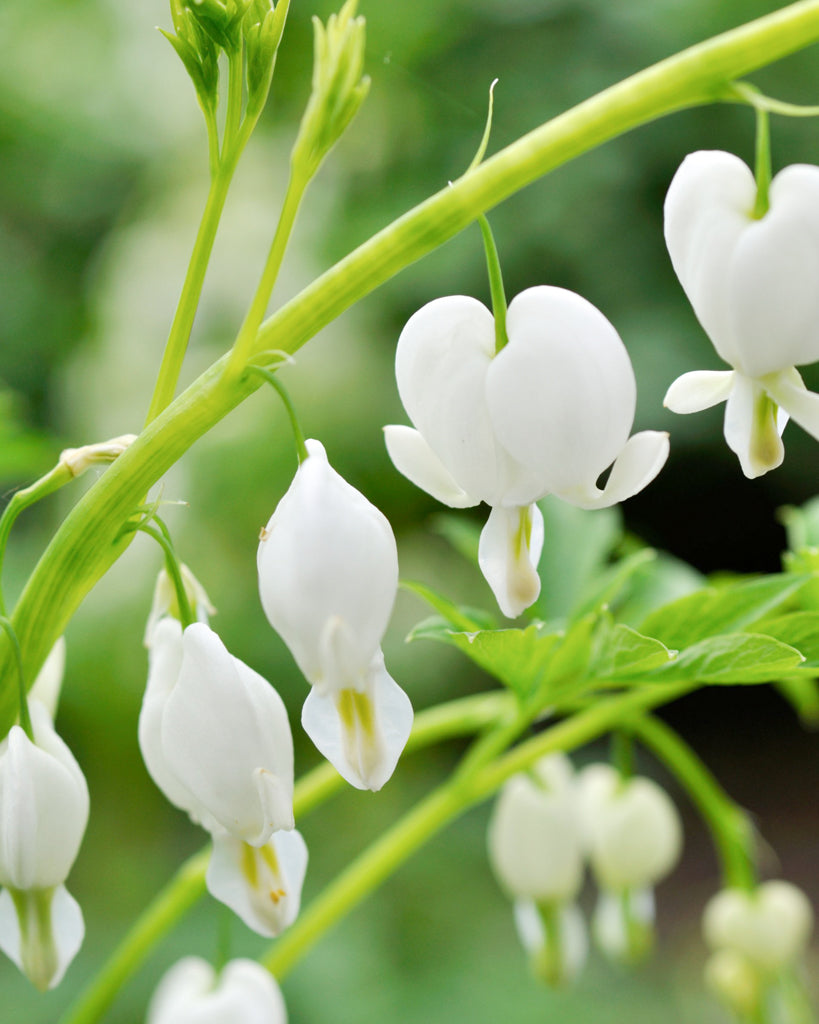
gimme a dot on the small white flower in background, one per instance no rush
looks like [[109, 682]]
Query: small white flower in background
[[215, 735], [752, 284], [548, 414], [536, 851], [769, 926], [634, 839], [192, 993], [165, 602], [43, 814], [260, 884], [78, 460], [328, 576]]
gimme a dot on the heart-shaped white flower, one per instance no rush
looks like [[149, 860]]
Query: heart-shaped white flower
[[548, 414], [770, 926], [752, 283]]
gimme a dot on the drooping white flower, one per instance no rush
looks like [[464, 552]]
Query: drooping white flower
[[633, 838], [215, 735], [548, 414], [769, 926], [328, 575], [260, 884], [752, 283], [43, 814], [633, 830], [536, 851], [192, 993]]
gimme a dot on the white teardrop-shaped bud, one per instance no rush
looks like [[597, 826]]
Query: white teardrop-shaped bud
[[770, 925], [535, 839], [328, 576], [215, 735], [192, 993]]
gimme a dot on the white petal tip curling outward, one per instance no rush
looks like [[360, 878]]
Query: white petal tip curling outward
[[262, 885], [49, 938], [361, 733], [698, 390], [641, 459], [753, 427], [509, 551], [414, 459]]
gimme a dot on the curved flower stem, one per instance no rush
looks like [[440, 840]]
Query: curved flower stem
[[728, 823], [440, 807], [178, 896], [86, 544], [276, 384], [446, 721]]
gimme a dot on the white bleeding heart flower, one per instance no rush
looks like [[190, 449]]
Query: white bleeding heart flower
[[328, 576], [191, 992], [535, 837], [623, 924], [43, 814], [215, 736], [548, 414], [555, 939], [770, 925], [261, 884], [752, 283], [633, 831]]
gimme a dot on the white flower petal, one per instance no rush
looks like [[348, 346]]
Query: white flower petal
[[360, 733], [226, 737], [623, 924], [508, 553], [562, 393], [555, 966], [788, 390], [43, 806], [260, 884], [53, 928], [49, 679], [535, 840], [698, 390], [752, 427], [327, 553], [642, 458], [441, 364], [191, 993], [413, 457], [707, 208]]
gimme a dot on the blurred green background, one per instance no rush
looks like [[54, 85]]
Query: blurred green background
[[103, 169]]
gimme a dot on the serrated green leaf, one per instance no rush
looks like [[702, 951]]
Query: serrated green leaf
[[715, 610], [466, 619], [519, 658], [730, 658], [622, 652]]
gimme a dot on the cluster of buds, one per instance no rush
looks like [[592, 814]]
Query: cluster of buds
[[750, 275], [43, 814], [547, 825], [758, 938], [547, 414]]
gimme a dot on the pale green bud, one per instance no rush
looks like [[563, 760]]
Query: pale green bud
[[338, 86], [263, 28]]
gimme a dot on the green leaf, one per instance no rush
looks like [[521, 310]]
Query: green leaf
[[799, 630], [724, 609], [623, 652], [613, 581], [731, 658], [460, 618]]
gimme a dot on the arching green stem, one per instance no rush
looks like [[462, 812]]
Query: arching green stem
[[274, 382]]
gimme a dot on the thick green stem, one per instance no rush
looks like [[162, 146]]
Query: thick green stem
[[85, 545], [728, 823]]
